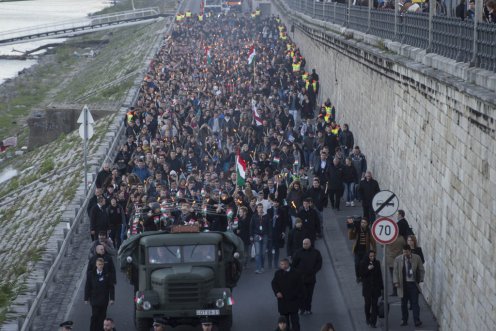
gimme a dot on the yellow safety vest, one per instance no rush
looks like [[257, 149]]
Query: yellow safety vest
[[335, 131], [278, 20], [188, 14], [200, 18], [304, 76], [258, 12], [314, 85], [130, 116], [178, 17], [307, 84], [296, 67], [283, 36], [280, 27], [328, 110]]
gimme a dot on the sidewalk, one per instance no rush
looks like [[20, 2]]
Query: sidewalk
[[336, 241]]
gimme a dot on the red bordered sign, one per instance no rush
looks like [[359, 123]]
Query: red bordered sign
[[385, 230]]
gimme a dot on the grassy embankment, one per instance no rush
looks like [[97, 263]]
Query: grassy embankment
[[61, 77]]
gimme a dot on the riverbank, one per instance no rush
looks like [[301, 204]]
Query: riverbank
[[68, 70], [49, 176]]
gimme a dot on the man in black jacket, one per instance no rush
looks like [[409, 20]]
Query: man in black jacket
[[367, 188], [99, 219], [308, 261], [370, 271], [278, 218], [99, 292], [288, 288], [311, 224], [319, 198], [335, 187]]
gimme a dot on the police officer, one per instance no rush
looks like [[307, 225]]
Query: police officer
[[66, 326]]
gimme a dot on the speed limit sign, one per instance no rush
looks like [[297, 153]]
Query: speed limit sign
[[385, 230]]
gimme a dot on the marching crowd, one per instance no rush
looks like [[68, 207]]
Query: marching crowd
[[228, 134]]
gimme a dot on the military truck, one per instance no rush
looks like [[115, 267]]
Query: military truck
[[183, 275]]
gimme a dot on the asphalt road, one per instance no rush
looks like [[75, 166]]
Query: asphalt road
[[255, 304]]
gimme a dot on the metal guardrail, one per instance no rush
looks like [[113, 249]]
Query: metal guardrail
[[449, 36], [86, 23]]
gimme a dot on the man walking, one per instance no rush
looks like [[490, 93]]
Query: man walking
[[370, 271], [99, 292], [364, 241], [407, 274], [308, 261], [288, 288], [367, 188]]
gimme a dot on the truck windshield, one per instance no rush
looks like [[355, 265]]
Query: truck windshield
[[181, 254]]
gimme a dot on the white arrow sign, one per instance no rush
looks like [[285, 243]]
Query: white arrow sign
[[90, 131], [385, 203], [89, 117]]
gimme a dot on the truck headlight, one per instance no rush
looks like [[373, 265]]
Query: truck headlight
[[236, 255], [129, 259], [219, 303], [147, 305]]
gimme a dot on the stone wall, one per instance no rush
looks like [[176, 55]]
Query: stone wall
[[47, 125], [430, 138]]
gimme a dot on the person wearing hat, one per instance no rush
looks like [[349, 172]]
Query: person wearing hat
[[67, 325], [282, 324], [207, 324], [159, 324]]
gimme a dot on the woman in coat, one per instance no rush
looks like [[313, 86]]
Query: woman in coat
[[370, 271]]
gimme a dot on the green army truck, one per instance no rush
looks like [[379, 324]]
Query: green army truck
[[182, 276]]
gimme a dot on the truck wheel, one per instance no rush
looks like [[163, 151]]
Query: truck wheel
[[144, 324], [225, 323]]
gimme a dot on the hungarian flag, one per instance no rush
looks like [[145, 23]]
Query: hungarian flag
[[251, 54], [208, 55], [256, 117], [240, 170]]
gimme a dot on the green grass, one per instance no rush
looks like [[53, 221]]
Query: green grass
[[7, 294]]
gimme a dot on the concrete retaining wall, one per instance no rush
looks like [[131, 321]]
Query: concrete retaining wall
[[430, 138]]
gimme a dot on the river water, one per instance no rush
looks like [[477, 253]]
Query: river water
[[24, 14]]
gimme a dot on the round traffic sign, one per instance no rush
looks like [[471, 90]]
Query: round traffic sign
[[385, 203], [385, 230]]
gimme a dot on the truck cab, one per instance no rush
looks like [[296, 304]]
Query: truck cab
[[182, 276]]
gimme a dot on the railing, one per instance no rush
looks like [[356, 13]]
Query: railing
[[449, 36], [79, 24]]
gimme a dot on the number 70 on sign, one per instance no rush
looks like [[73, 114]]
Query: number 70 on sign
[[385, 230]]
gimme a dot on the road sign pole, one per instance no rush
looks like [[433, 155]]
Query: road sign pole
[[385, 291], [85, 123]]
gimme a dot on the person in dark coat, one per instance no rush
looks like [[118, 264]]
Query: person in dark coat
[[295, 237], [321, 170], [319, 198], [310, 218], [109, 266], [372, 286], [367, 188], [277, 222], [308, 261], [403, 226], [288, 288], [243, 231], [335, 187], [102, 175], [99, 292], [99, 219]]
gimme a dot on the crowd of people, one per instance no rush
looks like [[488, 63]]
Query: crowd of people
[[227, 134]]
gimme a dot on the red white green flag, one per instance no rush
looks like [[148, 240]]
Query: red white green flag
[[251, 54], [240, 170]]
